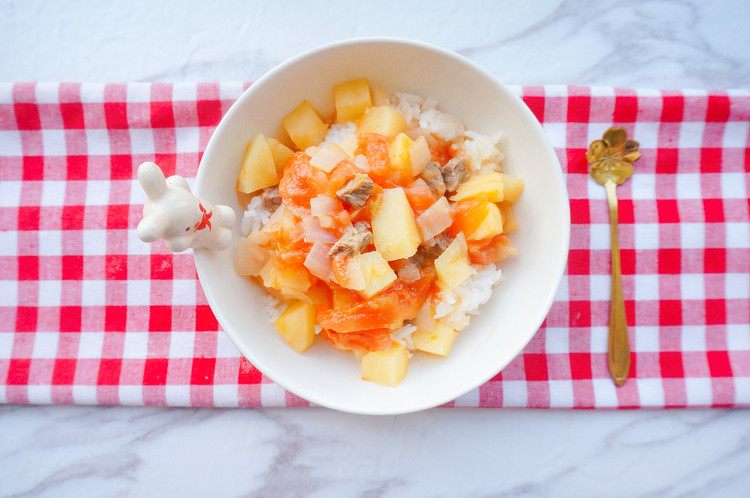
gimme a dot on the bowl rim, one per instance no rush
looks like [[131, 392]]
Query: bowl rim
[[448, 396]]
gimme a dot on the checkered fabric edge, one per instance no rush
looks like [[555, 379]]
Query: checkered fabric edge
[[91, 315]]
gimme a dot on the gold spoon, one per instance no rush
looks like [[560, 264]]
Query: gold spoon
[[611, 160]]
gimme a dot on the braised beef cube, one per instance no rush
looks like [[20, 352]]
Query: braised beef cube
[[433, 177], [271, 199], [454, 173], [356, 191], [353, 241]]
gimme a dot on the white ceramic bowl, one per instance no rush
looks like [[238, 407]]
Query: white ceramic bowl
[[519, 304]]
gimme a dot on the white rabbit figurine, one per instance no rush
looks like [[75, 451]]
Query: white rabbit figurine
[[174, 214]]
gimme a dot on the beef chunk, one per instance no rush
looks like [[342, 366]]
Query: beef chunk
[[454, 173], [354, 239], [435, 248], [356, 191], [271, 199], [433, 177]]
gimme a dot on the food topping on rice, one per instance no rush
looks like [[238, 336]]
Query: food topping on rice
[[378, 228]]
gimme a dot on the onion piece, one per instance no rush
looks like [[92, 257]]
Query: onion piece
[[323, 205], [435, 219], [315, 233], [326, 222], [362, 163], [409, 273], [327, 157], [420, 155], [274, 223], [318, 262], [249, 256]]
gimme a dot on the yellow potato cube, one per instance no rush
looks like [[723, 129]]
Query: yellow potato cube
[[383, 120], [419, 155], [258, 170], [386, 367], [453, 266], [349, 145], [305, 126], [351, 99], [489, 184], [394, 228], [509, 218], [281, 154], [491, 224], [377, 273], [512, 186], [292, 283], [398, 153], [439, 341], [297, 326]]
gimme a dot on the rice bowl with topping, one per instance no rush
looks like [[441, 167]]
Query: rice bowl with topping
[[505, 138]]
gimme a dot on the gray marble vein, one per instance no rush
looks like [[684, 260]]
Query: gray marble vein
[[125, 451]]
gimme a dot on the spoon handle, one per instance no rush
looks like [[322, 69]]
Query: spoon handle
[[618, 346]]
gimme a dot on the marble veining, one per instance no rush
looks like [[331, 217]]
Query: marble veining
[[125, 451], [122, 451]]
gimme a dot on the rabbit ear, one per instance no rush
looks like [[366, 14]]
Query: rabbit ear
[[152, 180], [152, 226]]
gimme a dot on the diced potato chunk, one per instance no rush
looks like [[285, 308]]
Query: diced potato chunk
[[386, 367], [348, 272], [305, 126], [453, 266], [281, 154], [512, 187], [491, 224], [420, 155], [376, 271], [383, 120], [509, 218], [349, 145], [489, 184], [292, 283], [258, 169], [297, 326], [398, 153], [439, 341], [394, 228], [351, 99]]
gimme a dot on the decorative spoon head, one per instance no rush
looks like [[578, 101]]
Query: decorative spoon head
[[612, 157]]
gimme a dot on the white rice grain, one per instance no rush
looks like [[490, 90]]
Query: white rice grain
[[403, 336], [456, 307], [274, 307], [254, 217], [337, 133]]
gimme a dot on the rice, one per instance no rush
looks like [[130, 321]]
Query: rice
[[254, 217], [456, 307], [403, 336], [274, 307], [337, 133], [421, 113], [482, 150]]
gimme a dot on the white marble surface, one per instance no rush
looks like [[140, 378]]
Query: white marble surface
[[104, 451]]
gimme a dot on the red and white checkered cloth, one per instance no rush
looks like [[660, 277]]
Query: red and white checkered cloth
[[89, 314]]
